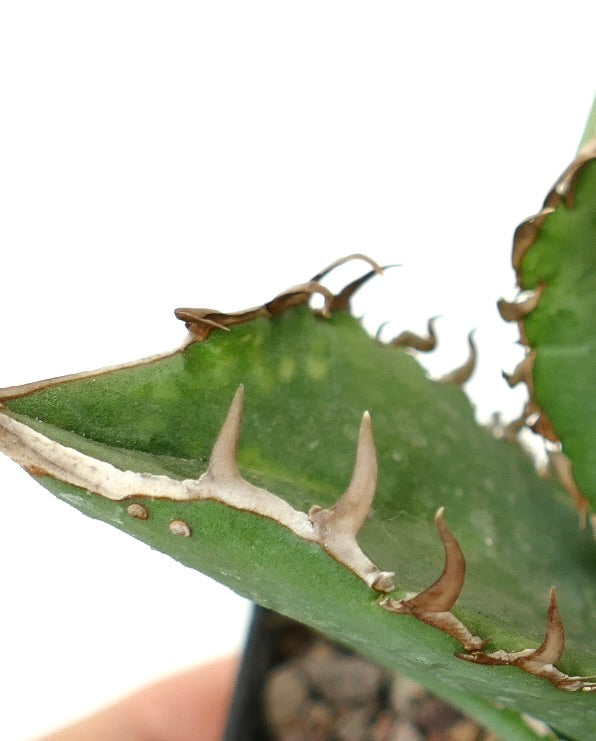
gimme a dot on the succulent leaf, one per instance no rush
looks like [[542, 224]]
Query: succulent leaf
[[155, 449], [555, 257]]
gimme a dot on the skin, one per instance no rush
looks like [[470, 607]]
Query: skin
[[187, 707]]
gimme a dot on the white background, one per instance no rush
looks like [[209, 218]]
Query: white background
[[163, 154]]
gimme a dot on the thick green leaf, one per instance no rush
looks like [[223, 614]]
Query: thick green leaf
[[307, 381], [561, 329]]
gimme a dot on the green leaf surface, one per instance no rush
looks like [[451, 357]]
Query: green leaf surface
[[562, 328], [307, 381]]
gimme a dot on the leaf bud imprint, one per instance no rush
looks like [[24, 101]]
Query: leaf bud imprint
[[181, 528], [138, 511]]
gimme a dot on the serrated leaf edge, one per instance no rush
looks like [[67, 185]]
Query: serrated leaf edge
[[539, 662], [562, 193]]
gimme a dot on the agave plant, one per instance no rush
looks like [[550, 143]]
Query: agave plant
[[285, 452]]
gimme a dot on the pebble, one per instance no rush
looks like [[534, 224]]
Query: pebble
[[404, 694], [404, 730], [431, 714], [464, 730], [383, 726], [319, 654], [352, 725], [286, 693], [316, 722], [343, 679]]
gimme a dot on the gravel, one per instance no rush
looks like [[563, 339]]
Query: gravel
[[324, 693]]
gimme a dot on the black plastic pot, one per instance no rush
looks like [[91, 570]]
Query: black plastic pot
[[245, 718], [271, 639]]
